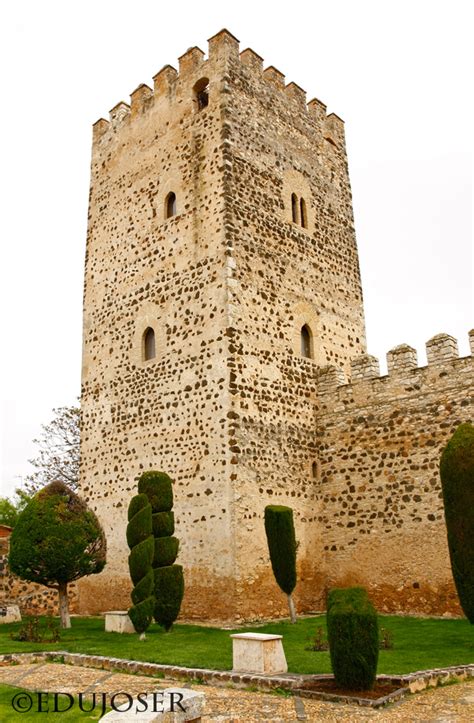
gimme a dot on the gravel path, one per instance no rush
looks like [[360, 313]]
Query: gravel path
[[449, 704]]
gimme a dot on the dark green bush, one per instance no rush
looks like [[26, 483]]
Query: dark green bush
[[140, 526], [457, 481], [166, 551], [169, 591], [141, 542], [163, 524], [158, 488], [169, 581], [353, 638], [56, 540], [281, 545]]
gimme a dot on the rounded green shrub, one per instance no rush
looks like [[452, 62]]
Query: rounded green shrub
[[457, 482], [158, 487], [353, 638], [169, 591], [163, 524], [166, 551], [56, 540]]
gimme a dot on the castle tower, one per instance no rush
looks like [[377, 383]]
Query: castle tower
[[221, 275]]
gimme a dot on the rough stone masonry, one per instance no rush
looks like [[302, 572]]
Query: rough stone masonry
[[224, 342]]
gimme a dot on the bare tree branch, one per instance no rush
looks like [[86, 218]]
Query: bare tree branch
[[58, 451]]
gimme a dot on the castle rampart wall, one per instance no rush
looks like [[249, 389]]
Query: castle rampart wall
[[379, 441]]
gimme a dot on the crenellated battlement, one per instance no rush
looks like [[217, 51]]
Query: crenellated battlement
[[170, 84], [402, 365]]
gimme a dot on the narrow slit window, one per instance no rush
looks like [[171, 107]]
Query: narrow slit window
[[149, 350], [201, 93], [170, 205], [294, 208], [306, 342], [303, 218], [314, 470]]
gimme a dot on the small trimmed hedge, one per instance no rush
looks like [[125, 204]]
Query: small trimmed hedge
[[457, 482], [353, 638]]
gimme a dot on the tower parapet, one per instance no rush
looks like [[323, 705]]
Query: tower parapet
[[442, 355], [223, 47]]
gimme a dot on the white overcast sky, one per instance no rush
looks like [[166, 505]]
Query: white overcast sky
[[399, 74]]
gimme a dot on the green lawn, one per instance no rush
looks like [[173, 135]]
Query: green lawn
[[419, 643], [10, 696]]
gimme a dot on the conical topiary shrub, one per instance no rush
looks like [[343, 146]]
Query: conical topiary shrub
[[141, 543], [168, 577], [282, 545], [457, 481]]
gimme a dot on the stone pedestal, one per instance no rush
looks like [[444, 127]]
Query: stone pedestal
[[258, 653], [117, 621], [10, 614], [172, 705]]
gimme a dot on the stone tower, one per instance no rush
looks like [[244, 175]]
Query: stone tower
[[221, 275]]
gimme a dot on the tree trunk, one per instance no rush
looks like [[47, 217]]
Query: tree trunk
[[291, 605], [64, 605]]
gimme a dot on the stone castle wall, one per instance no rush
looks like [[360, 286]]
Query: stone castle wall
[[285, 274], [229, 407], [170, 274], [379, 442]]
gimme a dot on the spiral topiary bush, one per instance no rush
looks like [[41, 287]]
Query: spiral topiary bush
[[141, 543], [168, 577]]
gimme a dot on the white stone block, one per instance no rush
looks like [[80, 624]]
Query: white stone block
[[165, 706], [10, 614], [258, 653], [117, 621]]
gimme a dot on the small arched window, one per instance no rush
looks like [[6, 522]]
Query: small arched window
[[149, 350], [170, 205], [306, 350], [294, 208], [303, 218], [201, 93]]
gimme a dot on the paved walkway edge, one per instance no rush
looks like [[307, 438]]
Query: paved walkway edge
[[410, 683]]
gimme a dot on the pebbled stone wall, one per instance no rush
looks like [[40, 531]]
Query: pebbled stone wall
[[379, 442], [229, 407]]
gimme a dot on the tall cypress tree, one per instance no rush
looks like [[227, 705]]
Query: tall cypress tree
[[141, 543], [168, 577], [280, 531], [457, 481]]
